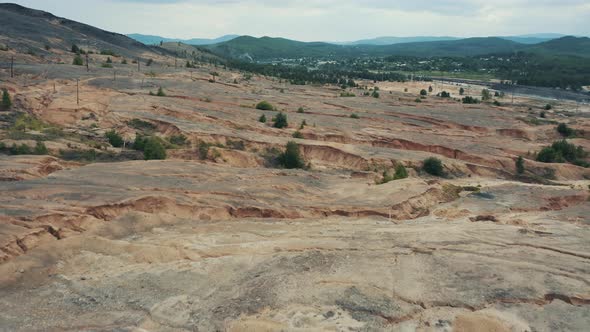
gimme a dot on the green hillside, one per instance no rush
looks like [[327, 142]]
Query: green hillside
[[266, 48]]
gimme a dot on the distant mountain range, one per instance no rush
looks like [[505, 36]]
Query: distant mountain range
[[267, 48], [380, 41], [155, 40]]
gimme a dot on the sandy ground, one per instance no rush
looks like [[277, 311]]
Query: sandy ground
[[226, 243]]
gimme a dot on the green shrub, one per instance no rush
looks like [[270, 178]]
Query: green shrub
[[179, 139], [300, 110], [26, 122], [6, 100], [462, 91], [262, 118], [281, 121], [264, 106], [565, 130], [141, 125], [548, 107], [291, 158], [445, 94], [40, 149], [236, 145], [520, 165], [423, 92], [161, 92], [418, 100], [400, 172], [470, 100], [154, 150], [433, 166], [485, 95], [354, 116], [78, 61], [347, 94], [497, 103], [139, 143], [114, 138], [298, 134], [561, 152], [376, 94]]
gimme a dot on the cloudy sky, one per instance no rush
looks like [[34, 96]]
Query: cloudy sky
[[329, 20]]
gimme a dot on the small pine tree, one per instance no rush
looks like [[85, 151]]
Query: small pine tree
[[154, 150], [281, 121], [520, 165], [461, 91], [291, 158], [6, 101], [423, 92]]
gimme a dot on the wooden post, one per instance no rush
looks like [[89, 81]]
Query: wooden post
[[78, 92], [54, 87], [12, 67]]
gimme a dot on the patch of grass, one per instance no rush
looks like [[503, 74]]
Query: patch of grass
[[179, 139], [142, 125]]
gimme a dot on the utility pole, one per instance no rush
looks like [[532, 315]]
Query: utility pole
[[12, 67], [78, 91]]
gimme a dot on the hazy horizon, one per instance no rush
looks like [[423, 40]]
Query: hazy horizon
[[328, 20]]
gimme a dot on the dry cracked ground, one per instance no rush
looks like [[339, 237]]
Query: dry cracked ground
[[221, 240]]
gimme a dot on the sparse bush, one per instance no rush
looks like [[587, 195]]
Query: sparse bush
[[75, 49], [154, 150], [497, 103], [520, 165], [354, 116], [236, 145], [423, 92], [461, 91], [179, 139], [78, 61], [400, 172], [433, 166], [300, 110], [485, 95], [548, 107], [262, 118], [417, 100], [543, 115], [376, 94], [114, 138], [108, 52], [445, 94], [264, 106], [6, 100], [281, 121], [470, 100], [40, 148], [565, 130], [141, 125], [291, 158], [298, 135], [161, 92]]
